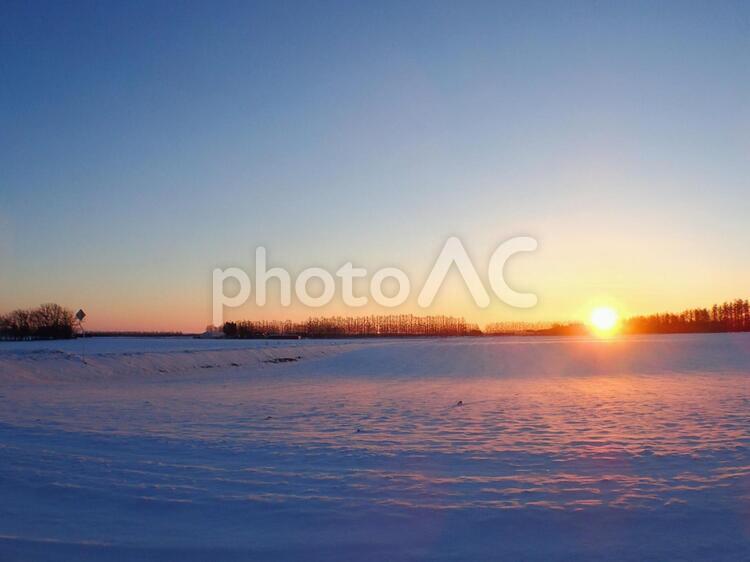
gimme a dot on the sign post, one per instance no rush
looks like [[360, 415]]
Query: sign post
[[80, 315]]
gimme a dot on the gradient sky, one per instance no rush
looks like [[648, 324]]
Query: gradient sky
[[144, 144]]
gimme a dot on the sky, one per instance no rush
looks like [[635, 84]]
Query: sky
[[143, 144]]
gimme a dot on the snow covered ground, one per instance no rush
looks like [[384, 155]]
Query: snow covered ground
[[572, 448]]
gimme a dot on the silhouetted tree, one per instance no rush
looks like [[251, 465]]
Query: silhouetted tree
[[230, 329], [48, 321]]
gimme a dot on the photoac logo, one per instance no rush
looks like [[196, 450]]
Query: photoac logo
[[453, 253]]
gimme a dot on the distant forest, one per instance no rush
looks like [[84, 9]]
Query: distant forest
[[48, 321], [728, 317], [731, 316], [52, 321], [393, 325]]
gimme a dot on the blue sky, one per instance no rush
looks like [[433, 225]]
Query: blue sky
[[143, 144]]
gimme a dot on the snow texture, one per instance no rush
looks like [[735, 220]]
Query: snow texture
[[442, 449]]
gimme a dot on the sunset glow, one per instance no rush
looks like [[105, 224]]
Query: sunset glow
[[395, 280], [604, 319]]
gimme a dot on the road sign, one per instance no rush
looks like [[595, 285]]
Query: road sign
[[80, 315]]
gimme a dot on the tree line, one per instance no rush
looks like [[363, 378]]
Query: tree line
[[393, 325], [732, 316], [48, 321], [52, 321], [515, 328]]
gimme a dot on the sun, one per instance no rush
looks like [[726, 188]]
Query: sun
[[604, 319]]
